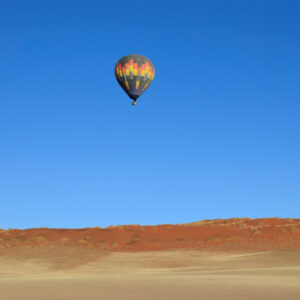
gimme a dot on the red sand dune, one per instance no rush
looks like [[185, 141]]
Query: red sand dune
[[232, 234]]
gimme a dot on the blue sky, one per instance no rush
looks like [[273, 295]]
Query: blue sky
[[215, 136]]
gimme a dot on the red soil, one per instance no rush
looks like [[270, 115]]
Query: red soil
[[233, 234]]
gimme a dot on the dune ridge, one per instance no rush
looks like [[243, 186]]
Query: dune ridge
[[236, 233]]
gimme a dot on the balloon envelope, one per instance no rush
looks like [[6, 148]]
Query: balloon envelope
[[134, 74]]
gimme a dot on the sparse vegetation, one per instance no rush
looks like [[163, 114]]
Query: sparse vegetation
[[102, 245], [64, 240], [293, 229], [135, 239], [243, 226], [213, 240], [39, 240], [252, 228], [82, 242], [233, 238], [256, 233]]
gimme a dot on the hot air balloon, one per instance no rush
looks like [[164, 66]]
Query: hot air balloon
[[134, 74]]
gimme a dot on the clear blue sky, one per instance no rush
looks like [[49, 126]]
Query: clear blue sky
[[217, 134]]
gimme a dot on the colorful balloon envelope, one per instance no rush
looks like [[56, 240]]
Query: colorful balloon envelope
[[134, 74]]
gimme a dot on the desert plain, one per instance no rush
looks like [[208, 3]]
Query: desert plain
[[213, 259]]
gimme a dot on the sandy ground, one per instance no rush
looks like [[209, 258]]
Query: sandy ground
[[87, 274]]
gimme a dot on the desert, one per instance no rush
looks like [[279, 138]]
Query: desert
[[212, 259]]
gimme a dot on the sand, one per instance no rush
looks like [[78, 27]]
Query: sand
[[72, 273]]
